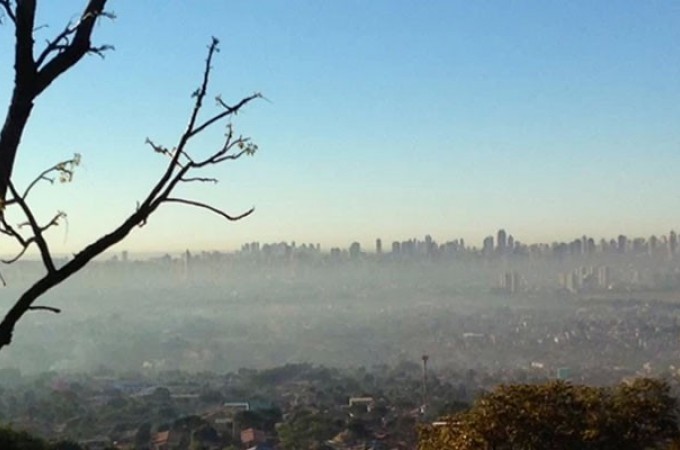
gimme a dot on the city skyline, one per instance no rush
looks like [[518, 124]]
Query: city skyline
[[391, 119], [501, 241]]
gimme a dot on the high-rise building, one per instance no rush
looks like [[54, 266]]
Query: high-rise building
[[603, 277], [354, 250], [510, 282], [652, 245], [672, 243], [396, 247], [378, 246], [501, 241], [487, 246], [590, 247]]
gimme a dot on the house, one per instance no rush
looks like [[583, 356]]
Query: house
[[252, 436], [363, 403], [168, 440]]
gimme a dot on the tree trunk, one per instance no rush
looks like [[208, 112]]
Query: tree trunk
[[10, 137]]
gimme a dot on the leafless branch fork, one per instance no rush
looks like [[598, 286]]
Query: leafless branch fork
[[179, 169]]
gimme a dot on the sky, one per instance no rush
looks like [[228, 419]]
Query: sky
[[389, 118]]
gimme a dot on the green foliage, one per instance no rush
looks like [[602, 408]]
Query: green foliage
[[65, 445], [20, 440], [306, 429], [264, 419], [561, 416]]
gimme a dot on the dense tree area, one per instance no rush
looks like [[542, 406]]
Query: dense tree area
[[561, 416], [20, 440], [308, 429]]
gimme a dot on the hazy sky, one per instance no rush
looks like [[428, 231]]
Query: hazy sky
[[388, 119]]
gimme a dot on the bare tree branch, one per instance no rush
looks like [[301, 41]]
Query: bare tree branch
[[8, 230], [37, 231], [101, 49], [44, 308], [21, 103], [230, 110], [24, 243], [199, 179], [31, 79], [7, 7], [64, 170], [25, 23], [217, 211], [78, 47], [175, 172], [54, 222], [200, 93], [58, 44], [18, 256]]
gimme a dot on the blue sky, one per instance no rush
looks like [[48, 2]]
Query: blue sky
[[389, 119]]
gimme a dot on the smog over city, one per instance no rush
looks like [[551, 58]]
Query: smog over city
[[226, 225], [594, 306]]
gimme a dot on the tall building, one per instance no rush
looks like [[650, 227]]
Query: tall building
[[487, 246], [590, 247], [672, 243], [604, 276], [378, 246], [652, 245], [501, 241], [396, 247], [354, 250], [510, 282]]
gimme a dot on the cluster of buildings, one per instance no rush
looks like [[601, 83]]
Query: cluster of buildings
[[307, 407], [586, 278], [500, 245]]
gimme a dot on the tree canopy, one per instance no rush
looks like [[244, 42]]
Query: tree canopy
[[641, 414]]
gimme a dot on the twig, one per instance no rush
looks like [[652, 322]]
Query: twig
[[44, 308], [228, 112], [199, 179], [56, 43], [209, 208], [64, 168], [37, 231], [5, 4], [77, 47], [20, 254]]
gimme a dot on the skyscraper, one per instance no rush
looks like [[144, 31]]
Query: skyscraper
[[672, 244], [396, 247], [487, 246], [501, 241], [355, 250]]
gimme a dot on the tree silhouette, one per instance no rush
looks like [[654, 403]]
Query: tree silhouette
[[35, 71]]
